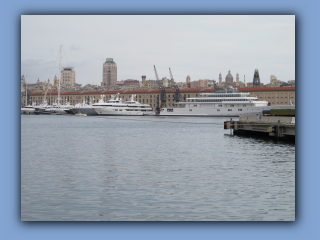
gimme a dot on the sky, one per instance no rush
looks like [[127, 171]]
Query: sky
[[201, 46]]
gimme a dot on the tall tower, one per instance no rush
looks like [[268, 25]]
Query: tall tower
[[143, 80], [68, 76], [109, 73], [55, 81], [256, 79], [220, 78], [188, 79], [237, 80]]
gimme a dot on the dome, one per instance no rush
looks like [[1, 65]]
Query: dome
[[229, 77]]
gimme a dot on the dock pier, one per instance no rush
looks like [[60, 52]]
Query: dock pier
[[272, 126]]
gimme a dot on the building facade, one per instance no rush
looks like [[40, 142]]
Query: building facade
[[275, 96], [109, 73], [68, 76], [143, 80], [273, 81]]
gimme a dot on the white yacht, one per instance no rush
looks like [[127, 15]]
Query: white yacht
[[117, 107], [220, 105], [29, 110], [84, 108], [62, 109]]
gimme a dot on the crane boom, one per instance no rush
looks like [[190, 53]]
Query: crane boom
[[171, 74], [155, 70]]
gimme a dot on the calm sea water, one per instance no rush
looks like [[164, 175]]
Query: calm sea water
[[151, 169]]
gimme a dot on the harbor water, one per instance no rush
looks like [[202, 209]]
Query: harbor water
[[145, 168]]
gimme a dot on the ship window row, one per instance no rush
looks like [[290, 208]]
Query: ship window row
[[222, 100], [227, 95]]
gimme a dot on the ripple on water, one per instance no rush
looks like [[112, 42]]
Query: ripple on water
[[106, 169]]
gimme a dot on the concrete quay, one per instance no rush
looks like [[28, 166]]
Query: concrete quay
[[264, 126]]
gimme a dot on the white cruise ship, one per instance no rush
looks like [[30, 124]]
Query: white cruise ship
[[220, 105], [116, 107]]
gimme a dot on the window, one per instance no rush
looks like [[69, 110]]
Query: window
[[244, 105], [220, 105], [190, 110], [229, 110], [218, 110], [232, 105], [169, 110], [239, 109]]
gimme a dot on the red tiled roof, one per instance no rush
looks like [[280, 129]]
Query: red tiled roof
[[70, 93], [136, 91], [90, 92], [190, 90], [112, 92]]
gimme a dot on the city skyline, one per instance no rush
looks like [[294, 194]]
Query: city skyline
[[199, 46]]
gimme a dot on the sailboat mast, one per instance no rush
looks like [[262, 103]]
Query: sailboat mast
[[59, 99], [26, 91]]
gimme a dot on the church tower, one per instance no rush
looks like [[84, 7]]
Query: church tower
[[256, 79], [220, 78]]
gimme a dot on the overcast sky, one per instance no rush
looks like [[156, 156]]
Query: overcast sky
[[200, 46]]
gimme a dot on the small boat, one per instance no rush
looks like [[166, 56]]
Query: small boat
[[81, 114]]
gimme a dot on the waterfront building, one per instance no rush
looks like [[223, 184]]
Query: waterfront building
[[68, 76], [256, 79], [109, 73], [198, 84], [274, 96]]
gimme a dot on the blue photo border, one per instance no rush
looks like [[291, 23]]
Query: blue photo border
[[307, 160]]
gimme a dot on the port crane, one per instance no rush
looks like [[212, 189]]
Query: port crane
[[155, 70], [171, 74]]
